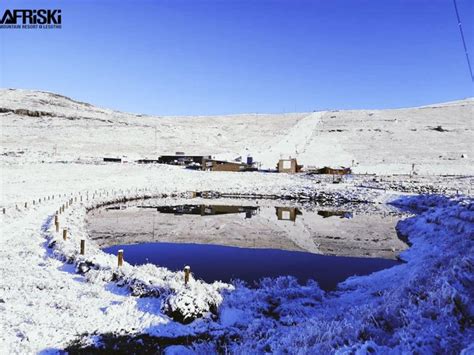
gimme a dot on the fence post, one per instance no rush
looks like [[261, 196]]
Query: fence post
[[64, 233], [187, 271], [83, 246], [120, 257]]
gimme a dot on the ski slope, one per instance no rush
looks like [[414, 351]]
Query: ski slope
[[436, 138]]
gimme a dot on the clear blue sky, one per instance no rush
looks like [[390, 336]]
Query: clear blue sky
[[215, 57]]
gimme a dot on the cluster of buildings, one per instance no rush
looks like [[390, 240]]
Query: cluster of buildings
[[207, 163]]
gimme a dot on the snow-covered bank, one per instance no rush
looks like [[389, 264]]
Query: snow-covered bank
[[47, 305], [423, 306]]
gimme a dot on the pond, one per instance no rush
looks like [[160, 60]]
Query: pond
[[226, 239]]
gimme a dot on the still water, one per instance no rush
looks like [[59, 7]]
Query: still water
[[251, 239]]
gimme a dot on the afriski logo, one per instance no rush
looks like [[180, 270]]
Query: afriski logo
[[31, 19]]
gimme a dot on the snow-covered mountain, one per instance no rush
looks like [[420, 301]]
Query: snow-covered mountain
[[43, 126], [53, 297]]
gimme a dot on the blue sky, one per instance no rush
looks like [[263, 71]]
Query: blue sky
[[217, 57]]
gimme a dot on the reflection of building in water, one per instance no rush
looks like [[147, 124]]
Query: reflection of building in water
[[287, 213], [270, 227], [342, 214], [208, 210]]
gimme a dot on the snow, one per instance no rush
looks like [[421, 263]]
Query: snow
[[372, 141], [51, 296], [422, 306]]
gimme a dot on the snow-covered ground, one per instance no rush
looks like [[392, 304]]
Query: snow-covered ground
[[436, 138], [50, 296]]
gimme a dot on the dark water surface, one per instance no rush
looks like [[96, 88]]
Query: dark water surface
[[249, 240], [214, 262]]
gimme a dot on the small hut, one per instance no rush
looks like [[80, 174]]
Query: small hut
[[334, 171], [288, 166]]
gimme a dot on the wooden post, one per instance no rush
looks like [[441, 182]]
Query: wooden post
[[56, 223], [26, 204], [65, 234], [120, 257], [56, 220], [83, 246], [4, 211], [187, 271]]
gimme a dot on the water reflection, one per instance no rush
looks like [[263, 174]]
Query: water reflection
[[282, 213], [341, 214], [208, 210], [249, 239], [264, 224], [287, 213]]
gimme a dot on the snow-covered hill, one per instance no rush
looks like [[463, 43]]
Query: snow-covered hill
[[43, 126], [51, 296]]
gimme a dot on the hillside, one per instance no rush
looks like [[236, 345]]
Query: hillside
[[53, 297], [43, 126]]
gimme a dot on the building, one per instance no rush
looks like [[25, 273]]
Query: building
[[181, 159], [221, 165], [113, 160], [289, 166], [148, 161], [333, 171]]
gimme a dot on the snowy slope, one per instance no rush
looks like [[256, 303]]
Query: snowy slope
[[51, 296], [381, 141]]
